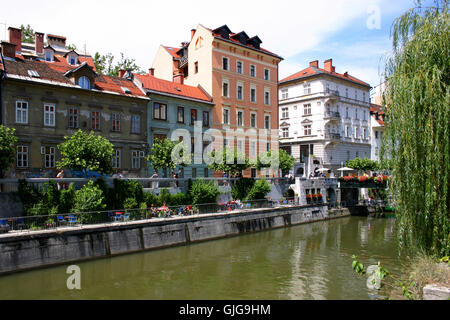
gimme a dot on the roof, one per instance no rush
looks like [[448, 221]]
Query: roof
[[151, 83], [54, 73], [312, 71], [173, 51], [377, 110], [250, 45]]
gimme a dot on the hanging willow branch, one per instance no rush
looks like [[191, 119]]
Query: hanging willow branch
[[417, 136]]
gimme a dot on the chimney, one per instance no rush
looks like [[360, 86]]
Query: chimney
[[56, 41], [15, 37], [8, 49], [314, 64], [328, 65], [121, 73], [192, 33], [151, 71], [178, 78], [39, 42], [346, 74]]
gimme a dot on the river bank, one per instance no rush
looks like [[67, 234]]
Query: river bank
[[34, 249]]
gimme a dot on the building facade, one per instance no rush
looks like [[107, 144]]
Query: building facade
[[173, 112], [324, 118], [49, 92], [377, 128], [240, 76]]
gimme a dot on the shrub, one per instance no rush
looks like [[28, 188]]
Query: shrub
[[89, 198], [179, 199], [259, 190], [203, 191], [151, 199], [164, 196], [66, 200], [240, 189], [29, 195], [122, 190]]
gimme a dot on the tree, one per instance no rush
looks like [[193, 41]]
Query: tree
[[7, 149], [233, 166], [417, 136], [71, 47], [27, 34], [285, 160], [362, 164], [104, 64], [84, 151], [166, 153]]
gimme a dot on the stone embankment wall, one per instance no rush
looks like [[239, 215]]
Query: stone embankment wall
[[28, 250]]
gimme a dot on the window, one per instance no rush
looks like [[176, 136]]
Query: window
[[48, 55], [285, 132], [266, 74], [21, 112], [73, 60], [206, 172], [253, 120], [347, 132], [225, 88], [194, 172], [356, 114], [22, 156], [196, 66], [240, 145], [346, 92], [267, 122], [365, 133], [357, 133], [84, 82], [135, 159], [240, 118], [328, 88], [226, 116], [307, 129], [135, 123], [239, 67], [267, 146], [95, 120], [49, 157], [253, 148], [49, 115], [115, 121], [224, 63], [346, 113], [159, 111], [284, 94], [158, 136], [253, 94], [307, 109], [284, 113], [239, 92], [73, 118], [266, 97], [193, 116], [192, 145], [205, 118], [307, 88], [180, 115], [364, 115], [356, 95], [252, 71], [253, 172], [364, 96], [376, 134], [348, 155], [116, 158]]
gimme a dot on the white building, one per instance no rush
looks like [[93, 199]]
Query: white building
[[324, 117], [377, 127]]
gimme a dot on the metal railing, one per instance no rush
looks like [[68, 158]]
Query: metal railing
[[83, 219]]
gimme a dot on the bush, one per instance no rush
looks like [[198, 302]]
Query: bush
[[122, 190], [203, 191], [164, 196], [259, 190], [151, 199], [179, 199], [66, 200], [240, 189], [89, 198], [29, 195]]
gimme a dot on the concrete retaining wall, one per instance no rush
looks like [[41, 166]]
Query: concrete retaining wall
[[34, 249]]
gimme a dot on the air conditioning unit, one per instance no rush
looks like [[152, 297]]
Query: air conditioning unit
[[42, 150]]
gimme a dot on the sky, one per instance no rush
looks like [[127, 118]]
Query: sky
[[354, 33]]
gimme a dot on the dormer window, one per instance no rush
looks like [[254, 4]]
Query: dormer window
[[72, 59], [48, 51], [84, 82]]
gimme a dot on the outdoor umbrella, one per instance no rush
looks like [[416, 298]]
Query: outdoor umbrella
[[344, 169], [324, 169]]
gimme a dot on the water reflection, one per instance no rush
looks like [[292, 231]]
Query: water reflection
[[311, 261]]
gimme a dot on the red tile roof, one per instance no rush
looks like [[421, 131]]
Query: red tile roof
[[377, 109], [54, 71], [311, 71], [154, 84], [173, 51]]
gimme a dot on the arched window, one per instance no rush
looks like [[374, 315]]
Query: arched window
[[84, 82]]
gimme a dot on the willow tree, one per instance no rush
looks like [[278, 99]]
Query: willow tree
[[417, 100]]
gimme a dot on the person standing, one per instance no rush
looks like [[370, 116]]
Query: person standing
[[60, 175]]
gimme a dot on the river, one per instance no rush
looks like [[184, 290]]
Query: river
[[310, 261]]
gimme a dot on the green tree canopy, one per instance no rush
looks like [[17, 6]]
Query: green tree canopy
[[27, 34], [84, 151], [8, 140], [362, 164], [106, 64], [285, 161], [166, 153], [417, 136], [236, 163]]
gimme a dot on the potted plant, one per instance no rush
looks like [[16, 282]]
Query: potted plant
[[308, 198], [319, 197]]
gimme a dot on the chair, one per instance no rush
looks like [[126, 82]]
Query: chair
[[20, 224], [60, 220], [72, 219], [118, 216], [248, 205], [4, 224], [126, 216], [111, 215]]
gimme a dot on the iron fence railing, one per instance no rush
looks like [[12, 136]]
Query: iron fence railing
[[56, 221]]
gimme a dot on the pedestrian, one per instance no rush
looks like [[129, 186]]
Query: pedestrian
[[60, 175], [155, 184]]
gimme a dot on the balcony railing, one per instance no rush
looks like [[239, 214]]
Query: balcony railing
[[332, 136], [183, 61], [332, 115], [333, 93]]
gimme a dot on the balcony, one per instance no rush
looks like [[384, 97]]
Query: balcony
[[332, 136], [333, 94], [183, 61], [329, 115]]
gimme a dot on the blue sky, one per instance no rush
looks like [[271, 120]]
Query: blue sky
[[299, 30]]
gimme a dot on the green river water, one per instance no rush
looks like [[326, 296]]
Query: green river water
[[310, 261]]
